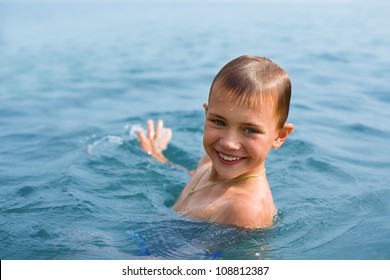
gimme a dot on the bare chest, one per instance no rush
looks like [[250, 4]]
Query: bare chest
[[201, 206]]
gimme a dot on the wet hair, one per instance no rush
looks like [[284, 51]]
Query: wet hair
[[252, 81]]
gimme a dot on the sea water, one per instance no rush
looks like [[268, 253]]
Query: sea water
[[77, 80]]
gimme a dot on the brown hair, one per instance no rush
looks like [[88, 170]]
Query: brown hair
[[250, 80]]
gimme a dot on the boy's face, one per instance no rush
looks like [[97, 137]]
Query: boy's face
[[237, 138]]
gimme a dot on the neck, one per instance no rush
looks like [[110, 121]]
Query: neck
[[242, 177], [216, 179], [214, 176]]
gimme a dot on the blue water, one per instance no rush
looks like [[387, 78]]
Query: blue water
[[77, 79]]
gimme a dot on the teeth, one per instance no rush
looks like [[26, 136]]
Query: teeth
[[225, 157]]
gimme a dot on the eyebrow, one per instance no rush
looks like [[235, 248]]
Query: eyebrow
[[216, 116]]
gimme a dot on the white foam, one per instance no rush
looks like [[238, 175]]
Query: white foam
[[133, 130], [109, 138]]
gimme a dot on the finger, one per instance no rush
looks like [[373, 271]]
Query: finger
[[159, 128], [141, 135], [169, 134], [143, 141], [150, 129]]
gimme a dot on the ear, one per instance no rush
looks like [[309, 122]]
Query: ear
[[206, 107], [282, 135]]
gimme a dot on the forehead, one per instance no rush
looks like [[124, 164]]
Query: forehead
[[263, 112], [257, 103], [243, 93]]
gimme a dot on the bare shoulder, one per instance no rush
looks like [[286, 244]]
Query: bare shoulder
[[247, 213]]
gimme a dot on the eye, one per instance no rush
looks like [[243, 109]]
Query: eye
[[250, 131], [218, 122]]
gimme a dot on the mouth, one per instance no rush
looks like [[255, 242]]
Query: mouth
[[228, 159]]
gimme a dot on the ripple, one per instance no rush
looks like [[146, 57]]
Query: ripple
[[298, 147], [42, 234], [329, 170], [364, 130], [180, 239], [25, 191], [333, 57]]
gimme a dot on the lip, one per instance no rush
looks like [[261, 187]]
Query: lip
[[228, 159]]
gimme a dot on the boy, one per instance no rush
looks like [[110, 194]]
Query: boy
[[245, 117]]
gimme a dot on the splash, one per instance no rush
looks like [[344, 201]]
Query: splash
[[106, 139], [133, 130]]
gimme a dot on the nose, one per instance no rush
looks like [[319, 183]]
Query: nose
[[230, 140]]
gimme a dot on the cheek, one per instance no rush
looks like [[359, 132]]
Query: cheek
[[254, 148], [259, 147], [207, 137], [210, 135]]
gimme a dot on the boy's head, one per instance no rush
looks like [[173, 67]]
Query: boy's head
[[252, 81]]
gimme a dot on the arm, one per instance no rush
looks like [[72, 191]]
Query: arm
[[245, 214]]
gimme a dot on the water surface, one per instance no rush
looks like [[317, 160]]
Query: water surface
[[76, 80]]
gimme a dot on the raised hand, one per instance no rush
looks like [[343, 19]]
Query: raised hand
[[156, 140]]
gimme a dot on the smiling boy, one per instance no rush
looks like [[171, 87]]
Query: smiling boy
[[245, 117]]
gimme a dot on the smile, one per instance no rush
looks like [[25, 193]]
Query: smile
[[228, 158]]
